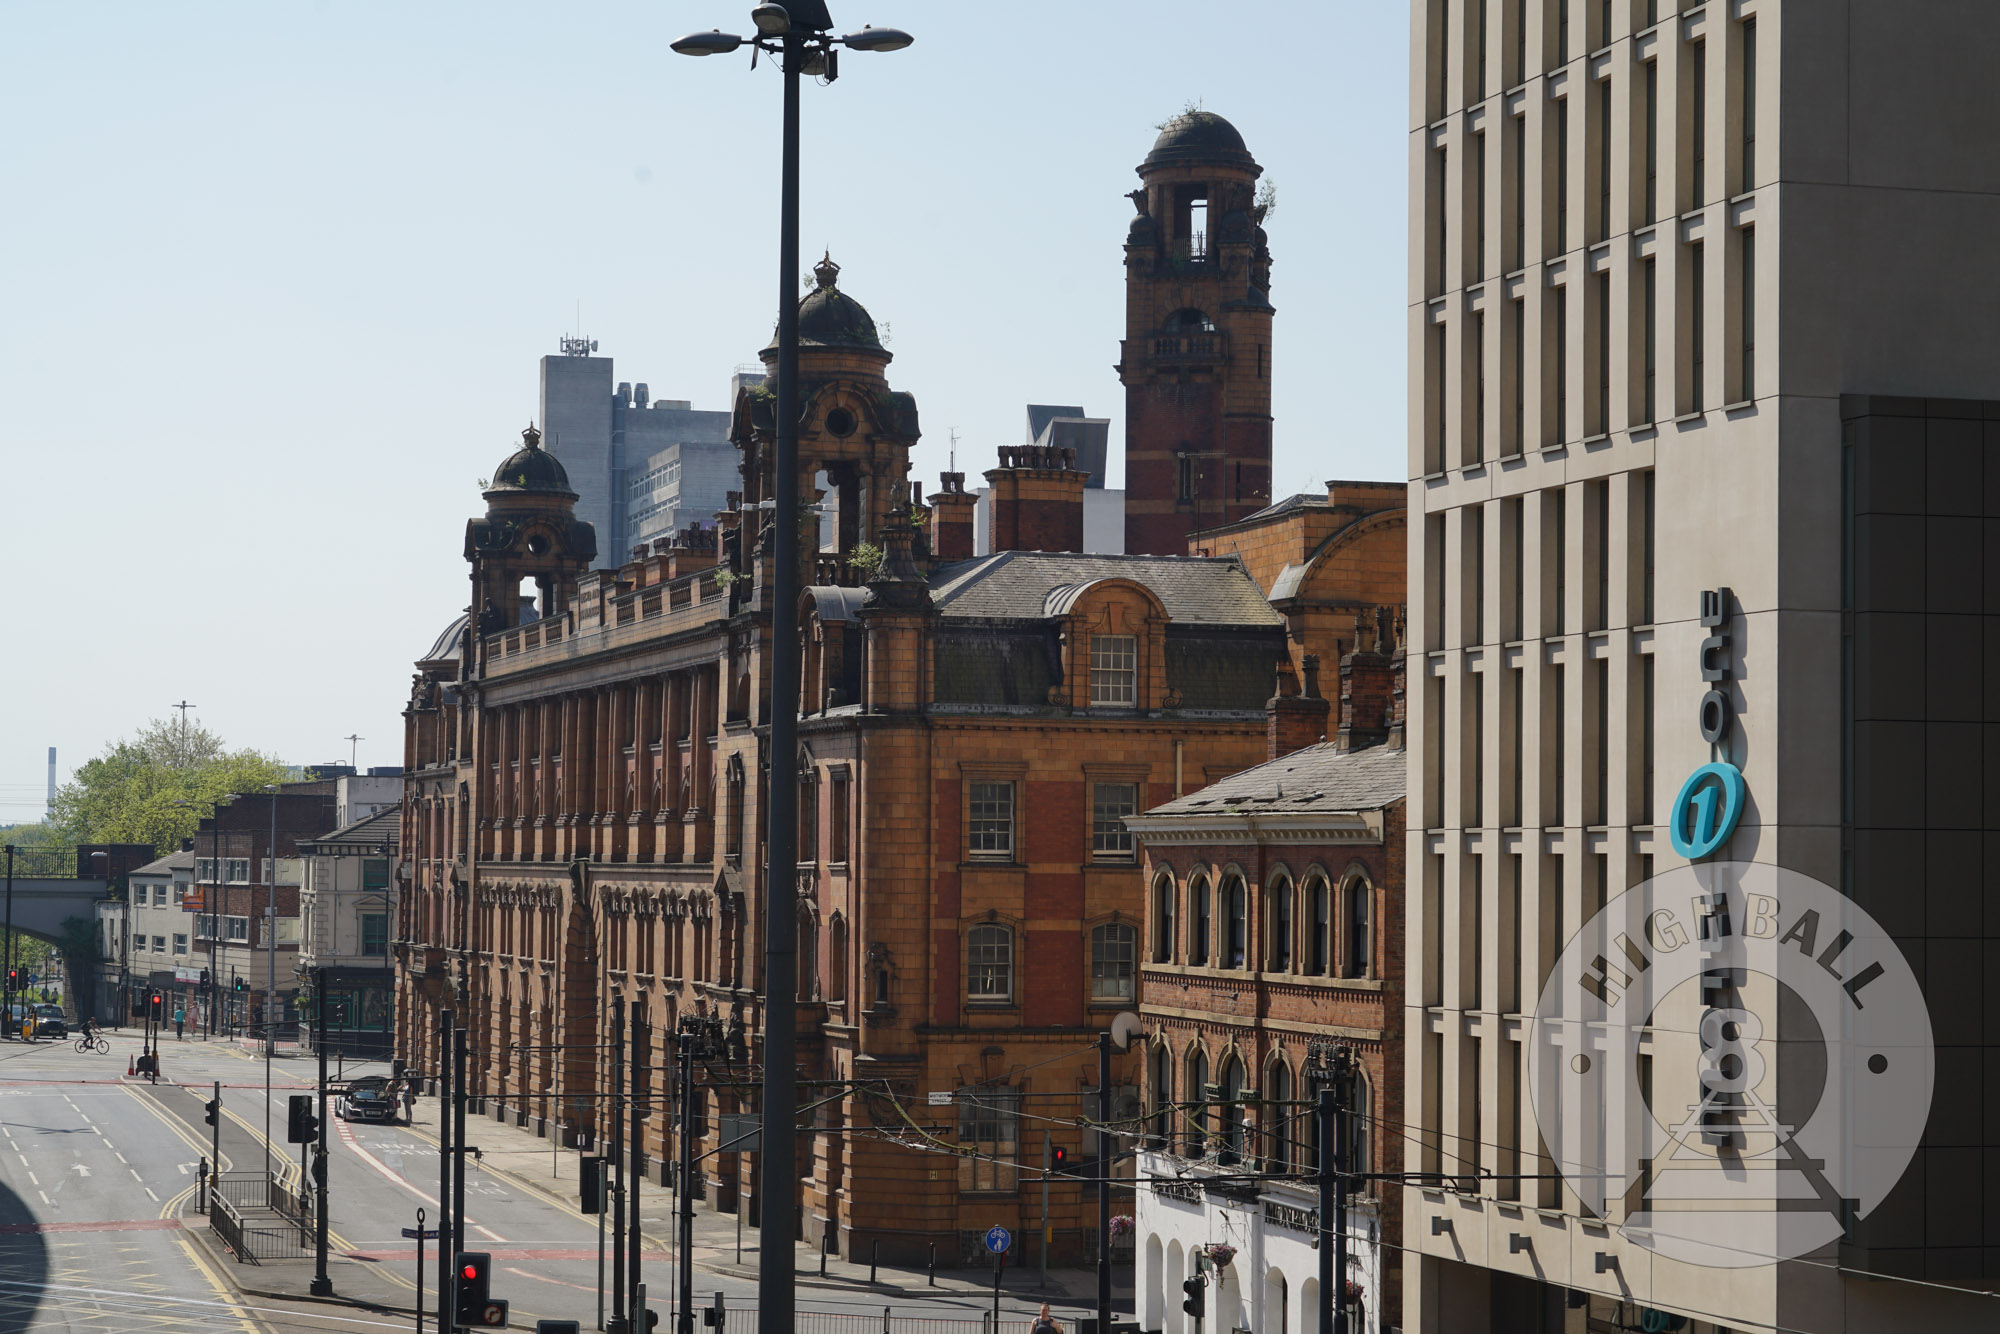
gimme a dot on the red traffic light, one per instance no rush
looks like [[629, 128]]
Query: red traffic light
[[470, 1271]]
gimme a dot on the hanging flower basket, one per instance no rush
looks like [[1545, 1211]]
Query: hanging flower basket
[[1121, 1226]]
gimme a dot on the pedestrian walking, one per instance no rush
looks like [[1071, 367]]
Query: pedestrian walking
[[1045, 1323], [180, 1022], [409, 1102]]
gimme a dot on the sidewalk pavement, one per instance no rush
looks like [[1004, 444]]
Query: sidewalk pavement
[[524, 1160]]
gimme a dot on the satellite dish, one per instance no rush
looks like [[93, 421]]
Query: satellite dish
[[1124, 1029]]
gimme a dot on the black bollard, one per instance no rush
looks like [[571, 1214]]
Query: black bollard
[[874, 1256], [933, 1265]]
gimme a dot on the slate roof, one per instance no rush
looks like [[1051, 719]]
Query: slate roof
[[368, 832], [1015, 585], [1310, 781], [171, 862]]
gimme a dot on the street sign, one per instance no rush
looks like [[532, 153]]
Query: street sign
[[998, 1239], [742, 1132], [425, 1234], [191, 901], [187, 974], [940, 1099]]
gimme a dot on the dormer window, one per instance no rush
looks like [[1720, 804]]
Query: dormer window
[[1114, 671]]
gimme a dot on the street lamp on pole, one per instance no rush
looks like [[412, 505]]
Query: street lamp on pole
[[208, 906], [799, 33]]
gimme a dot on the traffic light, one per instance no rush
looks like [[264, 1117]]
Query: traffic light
[[712, 1317], [301, 1126], [591, 1186], [652, 1318], [558, 1327], [474, 1275], [158, 1004], [242, 984], [204, 977], [13, 979], [210, 1110], [1059, 1160], [1197, 1298]]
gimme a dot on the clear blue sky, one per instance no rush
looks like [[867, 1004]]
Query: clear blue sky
[[278, 274]]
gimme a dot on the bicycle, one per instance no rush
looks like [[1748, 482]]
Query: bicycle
[[100, 1045]]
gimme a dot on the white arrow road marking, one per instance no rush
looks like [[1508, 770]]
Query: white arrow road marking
[[80, 1169]]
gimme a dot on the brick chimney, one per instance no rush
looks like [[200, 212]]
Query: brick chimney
[[1398, 661], [951, 518], [1367, 688], [1294, 720], [1037, 500]]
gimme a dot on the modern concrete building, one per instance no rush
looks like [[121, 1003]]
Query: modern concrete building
[[1666, 261], [642, 467]]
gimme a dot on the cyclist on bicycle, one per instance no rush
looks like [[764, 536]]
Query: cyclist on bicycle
[[90, 1030]]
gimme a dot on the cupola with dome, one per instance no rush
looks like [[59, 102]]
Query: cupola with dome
[[529, 536]]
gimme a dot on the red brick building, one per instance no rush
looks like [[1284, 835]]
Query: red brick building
[[1196, 357], [1273, 934]]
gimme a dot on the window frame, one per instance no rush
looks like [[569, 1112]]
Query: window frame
[[982, 1108], [1000, 934], [381, 945], [1166, 902], [993, 827], [1317, 956], [230, 926], [1104, 943], [1103, 832], [1113, 671], [1280, 921], [1357, 889], [1200, 919], [1234, 905], [180, 942]]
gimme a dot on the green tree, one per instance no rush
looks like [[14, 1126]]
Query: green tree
[[131, 793]]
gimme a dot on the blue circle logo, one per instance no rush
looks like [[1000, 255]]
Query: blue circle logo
[[1704, 814]]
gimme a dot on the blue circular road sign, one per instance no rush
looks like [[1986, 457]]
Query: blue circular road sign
[[998, 1239]]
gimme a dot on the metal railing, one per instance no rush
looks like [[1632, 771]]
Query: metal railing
[[743, 1320], [260, 1218]]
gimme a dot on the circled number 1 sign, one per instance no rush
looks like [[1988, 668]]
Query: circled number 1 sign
[[998, 1239]]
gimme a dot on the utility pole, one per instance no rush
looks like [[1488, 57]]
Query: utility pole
[[684, 1324], [617, 1160], [322, 1286], [1325, 1125], [641, 1104], [353, 748], [1103, 1183], [1048, 1161], [447, 1224], [7, 982], [458, 1145]]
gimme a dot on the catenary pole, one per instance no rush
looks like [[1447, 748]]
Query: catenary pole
[[447, 1224], [1324, 1123], [322, 1286], [641, 1105], [778, 1174], [614, 1154], [1103, 1183]]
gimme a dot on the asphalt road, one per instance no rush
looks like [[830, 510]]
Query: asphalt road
[[96, 1169]]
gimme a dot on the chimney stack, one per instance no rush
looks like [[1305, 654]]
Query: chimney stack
[[1037, 500], [1367, 688], [1293, 720], [951, 518]]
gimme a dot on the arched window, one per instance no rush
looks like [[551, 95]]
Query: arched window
[[1357, 899], [733, 835], [1194, 1118], [1163, 918], [1198, 920], [1232, 1109], [808, 964], [836, 961], [1319, 927], [1188, 320], [1114, 949], [989, 964], [1235, 922], [1163, 1096], [1278, 1118], [1278, 925]]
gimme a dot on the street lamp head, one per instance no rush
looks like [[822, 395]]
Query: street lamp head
[[878, 39], [772, 20], [708, 44]]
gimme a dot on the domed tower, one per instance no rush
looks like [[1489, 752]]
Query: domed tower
[[852, 426], [530, 531], [1196, 357]]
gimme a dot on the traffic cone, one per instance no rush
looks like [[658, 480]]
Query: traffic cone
[[131, 1067]]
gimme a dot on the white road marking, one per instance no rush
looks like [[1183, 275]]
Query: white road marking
[[45, 1197], [119, 1156], [149, 1191], [491, 1235], [184, 1169], [80, 1169], [135, 1175], [33, 1180]]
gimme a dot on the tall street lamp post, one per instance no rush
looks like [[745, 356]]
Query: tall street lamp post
[[799, 34], [271, 959]]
